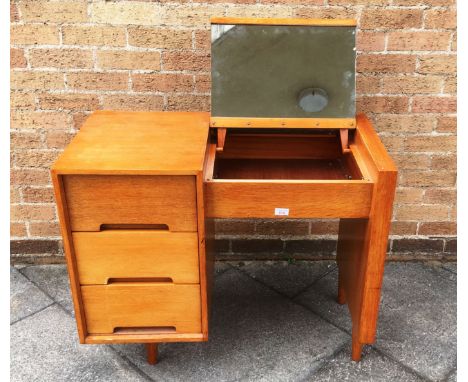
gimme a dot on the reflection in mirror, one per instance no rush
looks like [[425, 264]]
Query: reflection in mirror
[[313, 99], [283, 71]]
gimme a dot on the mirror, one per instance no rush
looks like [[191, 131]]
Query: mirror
[[283, 71]]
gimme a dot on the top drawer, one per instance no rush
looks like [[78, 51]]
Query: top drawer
[[95, 200]]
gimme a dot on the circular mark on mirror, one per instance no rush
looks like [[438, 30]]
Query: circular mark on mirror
[[313, 100]]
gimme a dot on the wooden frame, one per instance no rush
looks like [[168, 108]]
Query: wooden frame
[[62, 211], [284, 21], [290, 123]]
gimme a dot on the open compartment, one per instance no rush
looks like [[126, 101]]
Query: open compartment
[[281, 155], [275, 173]]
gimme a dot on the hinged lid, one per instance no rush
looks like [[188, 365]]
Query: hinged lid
[[283, 73]]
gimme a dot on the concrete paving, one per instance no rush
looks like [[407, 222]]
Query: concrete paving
[[271, 321]]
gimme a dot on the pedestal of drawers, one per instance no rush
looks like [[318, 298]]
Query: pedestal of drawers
[[133, 256]]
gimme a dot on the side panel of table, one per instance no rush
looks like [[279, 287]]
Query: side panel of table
[[362, 243]]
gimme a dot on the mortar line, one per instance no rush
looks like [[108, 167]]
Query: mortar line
[[297, 303], [449, 270], [326, 361], [278, 291], [334, 267], [40, 288], [406, 367], [32, 314], [131, 363]]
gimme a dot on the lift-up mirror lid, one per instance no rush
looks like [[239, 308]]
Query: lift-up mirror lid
[[297, 73]]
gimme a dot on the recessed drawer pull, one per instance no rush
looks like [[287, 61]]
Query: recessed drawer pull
[[145, 330], [154, 227], [132, 280]]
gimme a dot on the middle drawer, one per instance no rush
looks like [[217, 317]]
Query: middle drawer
[[133, 254]]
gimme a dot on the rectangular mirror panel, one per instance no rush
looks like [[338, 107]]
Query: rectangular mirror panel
[[283, 71]]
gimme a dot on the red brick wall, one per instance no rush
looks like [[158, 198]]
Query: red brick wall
[[71, 57]]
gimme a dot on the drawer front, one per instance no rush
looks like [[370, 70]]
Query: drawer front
[[321, 199], [95, 200], [127, 254], [145, 307]]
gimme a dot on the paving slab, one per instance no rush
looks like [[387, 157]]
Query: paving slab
[[286, 277], [320, 298], [417, 319], [444, 271], [452, 266], [374, 367], [255, 335], [417, 322], [25, 297], [221, 267], [452, 376], [20, 266], [44, 347], [53, 280]]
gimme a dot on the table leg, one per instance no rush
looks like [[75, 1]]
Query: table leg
[[152, 353], [356, 348], [360, 277], [341, 298]]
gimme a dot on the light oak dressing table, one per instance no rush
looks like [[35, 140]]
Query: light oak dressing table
[[137, 191]]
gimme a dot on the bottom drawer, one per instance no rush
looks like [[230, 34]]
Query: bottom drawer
[[142, 308]]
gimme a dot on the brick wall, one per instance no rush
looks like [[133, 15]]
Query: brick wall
[[71, 57]]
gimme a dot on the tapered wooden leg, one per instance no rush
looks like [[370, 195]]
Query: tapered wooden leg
[[356, 350], [152, 353], [341, 299], [351, 256], [361, 251]]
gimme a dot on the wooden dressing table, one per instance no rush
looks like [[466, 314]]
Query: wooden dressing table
[[137, 191]]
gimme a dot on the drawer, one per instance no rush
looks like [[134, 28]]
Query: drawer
[[281, 177], [287, 199], [142, 307], [125, 254], [96, 200]]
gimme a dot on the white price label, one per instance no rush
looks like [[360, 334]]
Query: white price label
[[281, 211]]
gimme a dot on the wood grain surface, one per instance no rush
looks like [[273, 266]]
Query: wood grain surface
[[362, 243], [120, 254], [289, 123], [94, 200], [313, 199], [142, 305], [283, 21], [116, 142]]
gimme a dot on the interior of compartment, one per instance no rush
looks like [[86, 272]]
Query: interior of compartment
[[282, 155]]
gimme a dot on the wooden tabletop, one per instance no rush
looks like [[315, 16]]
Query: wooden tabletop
[[117, 142]]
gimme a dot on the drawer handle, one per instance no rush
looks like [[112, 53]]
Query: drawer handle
[[145, 330], [154, 227], [126, 280]]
